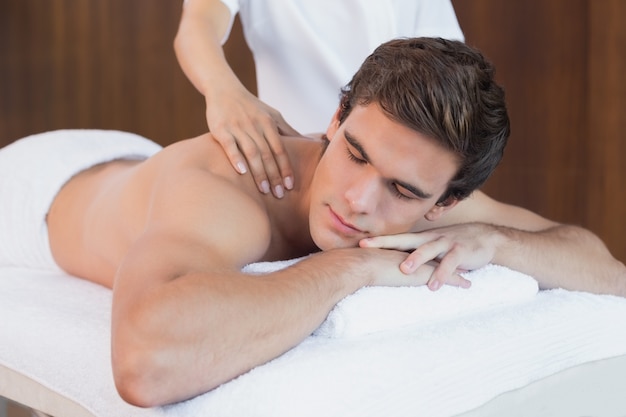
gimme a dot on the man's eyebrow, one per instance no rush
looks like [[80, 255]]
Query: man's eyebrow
[[355, 144], [414, 190], [418, 192]]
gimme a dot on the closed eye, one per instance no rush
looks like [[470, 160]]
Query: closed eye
[[397, 189], [401, 192], [354, 158], [400, 189]]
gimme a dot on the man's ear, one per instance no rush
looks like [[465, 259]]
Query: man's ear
[[334, 124], [439, 210]]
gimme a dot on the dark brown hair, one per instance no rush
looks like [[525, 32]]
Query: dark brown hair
[[443, 89]]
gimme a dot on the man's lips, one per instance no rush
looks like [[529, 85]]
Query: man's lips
[[342, 225]]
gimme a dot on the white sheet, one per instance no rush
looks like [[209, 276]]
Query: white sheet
[[54, 329]]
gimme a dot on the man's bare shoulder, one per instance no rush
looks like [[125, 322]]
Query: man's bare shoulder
[[199, 152], [198, 198], [481, 208]]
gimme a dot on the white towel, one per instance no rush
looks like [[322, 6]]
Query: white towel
[[54, 329], [376, 309], [436, 370], [33, 170]]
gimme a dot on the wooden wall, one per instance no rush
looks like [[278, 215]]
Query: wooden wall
[[110, 64], [94, 64], [562, 63]]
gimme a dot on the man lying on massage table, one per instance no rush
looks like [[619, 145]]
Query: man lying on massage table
[[419, 128]]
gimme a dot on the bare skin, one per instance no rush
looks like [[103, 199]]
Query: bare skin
[[171, 234], [248, 129], [108, 206]]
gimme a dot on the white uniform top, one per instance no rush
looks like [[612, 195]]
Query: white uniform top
[[306, 50]]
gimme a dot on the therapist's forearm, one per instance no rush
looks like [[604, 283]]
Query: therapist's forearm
[[198, 45]]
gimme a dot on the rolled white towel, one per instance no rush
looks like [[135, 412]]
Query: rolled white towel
[[376, 309]]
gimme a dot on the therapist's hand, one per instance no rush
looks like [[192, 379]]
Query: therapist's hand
[[462, 247], [249, 131]]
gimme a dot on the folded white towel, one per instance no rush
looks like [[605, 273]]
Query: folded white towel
[[33, 170], [375, 309]]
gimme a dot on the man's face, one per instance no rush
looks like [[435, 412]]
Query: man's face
[[377, 177]]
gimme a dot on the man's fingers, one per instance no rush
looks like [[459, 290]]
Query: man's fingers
[[447, 273], [403, 242], [454, 280], [428, 251]]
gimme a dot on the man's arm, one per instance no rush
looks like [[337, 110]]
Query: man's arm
[[186, 319], [481, 230], [184, 336]]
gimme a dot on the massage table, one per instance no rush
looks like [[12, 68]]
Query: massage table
[[500, 348]]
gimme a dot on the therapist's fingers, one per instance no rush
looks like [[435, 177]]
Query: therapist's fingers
[[260, 161], [284, 162], [268, 169], [243, 154], [228, 142], [247, 153], [272, 131]]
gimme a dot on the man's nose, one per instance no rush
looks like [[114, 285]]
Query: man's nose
[[362, 195]]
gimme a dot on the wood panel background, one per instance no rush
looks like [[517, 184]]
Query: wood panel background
[[562, 63], [110, 64], [94, 64]]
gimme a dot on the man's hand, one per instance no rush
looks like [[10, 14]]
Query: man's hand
[[384, 268], [455, 248], [249, 131]]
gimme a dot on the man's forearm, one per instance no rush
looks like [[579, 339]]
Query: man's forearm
[[201, 330], [563, 257]]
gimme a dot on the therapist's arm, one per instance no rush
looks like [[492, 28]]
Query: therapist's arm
[[248, 129]]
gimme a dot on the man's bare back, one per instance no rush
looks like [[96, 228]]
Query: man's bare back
[[100, 212]]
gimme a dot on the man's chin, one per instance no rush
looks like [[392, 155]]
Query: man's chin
[[333, 241]]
